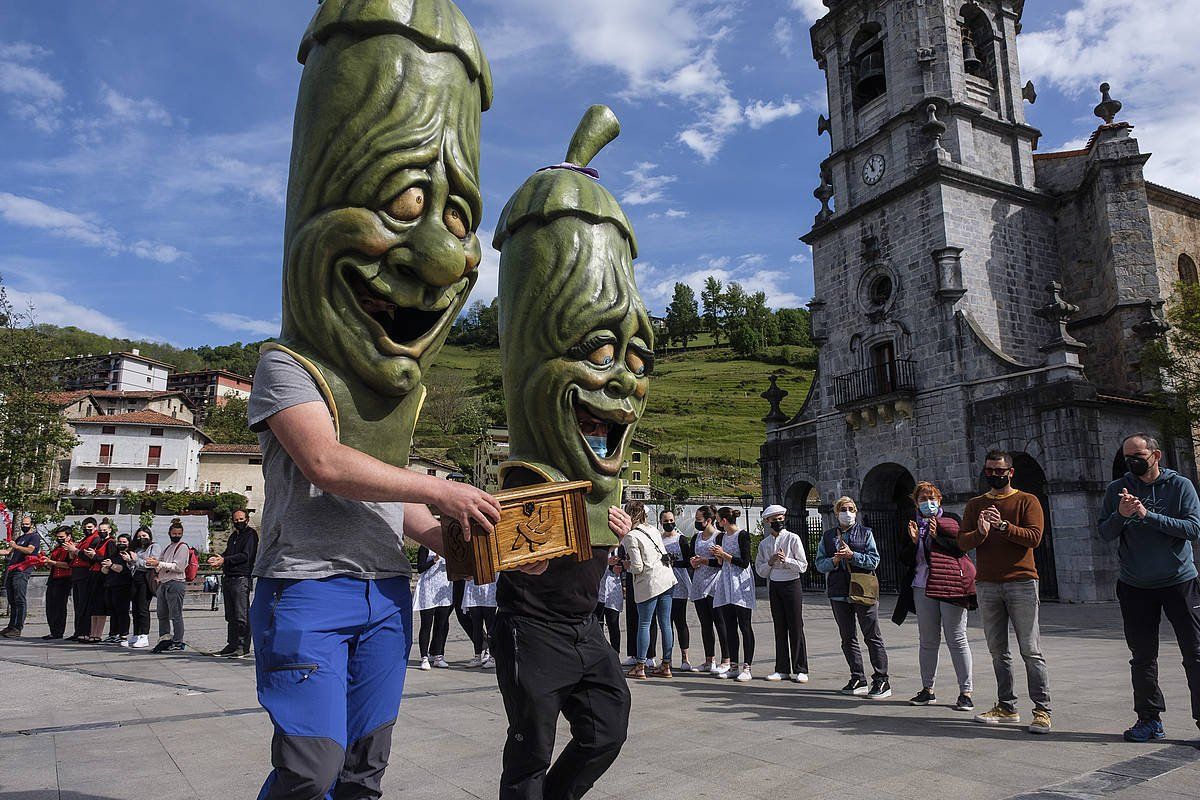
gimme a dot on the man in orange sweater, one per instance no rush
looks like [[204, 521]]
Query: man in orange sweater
[[1004, 527]]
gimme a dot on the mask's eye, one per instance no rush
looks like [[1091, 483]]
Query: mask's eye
[[603, 355], [635, 363], [408, 205], [455, 223]]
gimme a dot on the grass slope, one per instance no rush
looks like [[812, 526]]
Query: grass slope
[[704, 416]]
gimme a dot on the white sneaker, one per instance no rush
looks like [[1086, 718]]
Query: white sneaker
[[141, 642], [709, 666], [425, 665], [651, 663], [488, 661], [744, 675], [722, 671], [629, 661], [800, 677], [477, 661], [686, 667], [124, 642], [439, 662], [129, 640], [774, 676]]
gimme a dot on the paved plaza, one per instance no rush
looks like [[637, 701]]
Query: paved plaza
[[103, 722]]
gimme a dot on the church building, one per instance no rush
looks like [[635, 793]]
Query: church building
[[972, 292]]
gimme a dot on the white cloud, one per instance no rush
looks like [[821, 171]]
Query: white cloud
[[54, 309], [27, 212], [1152, 68], [489, 270], [645, 187], [812, 10], [657, 284], [783, 36], [799, 258], [32, 94], [674, 213], [760, 114], [127, 109], [243, 324]]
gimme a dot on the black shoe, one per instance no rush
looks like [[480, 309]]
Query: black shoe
[[856, 686], [964, 703], [10, 633], [227, 650], [49, 637], [880, 689], [162, 647], [7, 628], [176, 647], [240, 653], [923, 698], [78, 637]]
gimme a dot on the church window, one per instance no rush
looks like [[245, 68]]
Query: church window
[[978, 43], [867, 65], [880, 291], [1187, 270]]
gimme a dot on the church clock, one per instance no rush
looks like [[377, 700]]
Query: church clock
[[872, 172]]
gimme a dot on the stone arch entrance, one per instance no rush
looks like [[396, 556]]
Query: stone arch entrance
[[1030, 477], [885, 506]]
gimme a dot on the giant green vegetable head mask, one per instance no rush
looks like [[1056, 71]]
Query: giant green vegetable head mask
[[575, 338], [383, 197]]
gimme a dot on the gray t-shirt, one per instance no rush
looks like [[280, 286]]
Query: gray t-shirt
[[305, 532]]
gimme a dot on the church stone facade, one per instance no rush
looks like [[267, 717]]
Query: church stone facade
[[970, 292]]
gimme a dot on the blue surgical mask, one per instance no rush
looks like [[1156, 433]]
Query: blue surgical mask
[[599, 445], [929, 508]]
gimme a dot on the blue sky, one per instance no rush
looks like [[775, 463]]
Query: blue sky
[[146, 141]]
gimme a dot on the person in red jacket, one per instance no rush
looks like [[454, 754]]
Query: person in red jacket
[[80, 574], [939, 589], [102, 550], [58, 587]]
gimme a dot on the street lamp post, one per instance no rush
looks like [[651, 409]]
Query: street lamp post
[[747, 500]]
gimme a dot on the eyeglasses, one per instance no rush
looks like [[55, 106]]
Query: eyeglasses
[[996, 473]]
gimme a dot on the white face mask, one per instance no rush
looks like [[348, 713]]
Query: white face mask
[[846, 518]]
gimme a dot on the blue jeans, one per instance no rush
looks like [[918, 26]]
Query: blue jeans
[[659, 607], [330, 663]]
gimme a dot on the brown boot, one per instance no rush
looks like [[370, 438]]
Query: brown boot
[[663, 671], [638, 672]]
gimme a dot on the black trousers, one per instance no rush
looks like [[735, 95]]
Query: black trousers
[[141, 605], [545, 669], [787, 612], [81, 599], [845, 614], [116, 602], [683, 638], [736, 620], [631, 623], [435, 629], [611, 620], [464, 619], [58, 592], [711, 629], [235, 593], [1141, 611], [483, 623]]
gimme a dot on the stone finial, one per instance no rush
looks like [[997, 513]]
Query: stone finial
[[774, 395], [1108, 108], [1064, 349], [1029, 92], [934, 129], [824, 192], [823, 125]]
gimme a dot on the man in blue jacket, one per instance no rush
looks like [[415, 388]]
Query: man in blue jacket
[[1155, 514]]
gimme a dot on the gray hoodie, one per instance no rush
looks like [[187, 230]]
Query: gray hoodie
[[1156, 551]]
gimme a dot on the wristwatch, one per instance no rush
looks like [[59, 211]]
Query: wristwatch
[[1001, 526]]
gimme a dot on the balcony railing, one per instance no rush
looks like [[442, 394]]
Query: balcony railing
[[899, 376], [149, 463]]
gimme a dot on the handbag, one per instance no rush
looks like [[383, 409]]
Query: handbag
[[864, 586]]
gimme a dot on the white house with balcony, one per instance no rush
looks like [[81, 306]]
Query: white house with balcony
[[143, 451]]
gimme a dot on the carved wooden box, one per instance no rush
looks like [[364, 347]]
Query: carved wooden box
[[537, 523]]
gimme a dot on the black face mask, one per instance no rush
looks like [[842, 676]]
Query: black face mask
[[778, 525], [105, 534], [26, 528], [140, 544], [700, 526], [178, 538], [998, 482], [1137, 465], [122, 545], [668, 526], [241, 526]]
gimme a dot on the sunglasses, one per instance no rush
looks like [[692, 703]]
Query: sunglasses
[[997, 472]]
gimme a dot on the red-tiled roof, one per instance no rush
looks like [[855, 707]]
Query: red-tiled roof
[[67, 398], [234, 449], [135, 418]]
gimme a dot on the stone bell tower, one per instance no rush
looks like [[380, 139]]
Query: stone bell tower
[[948, 293]]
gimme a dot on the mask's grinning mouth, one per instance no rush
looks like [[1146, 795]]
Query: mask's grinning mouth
[[402, 325], [593, 428]]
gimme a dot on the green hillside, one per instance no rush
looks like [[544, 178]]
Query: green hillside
[[704, 415]]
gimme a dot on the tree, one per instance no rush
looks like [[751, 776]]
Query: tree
[[228, 423], [479, 326], [1174, 363], [710, 297], [745, 340], [447, 401], [795, 326], [34, 436], [683, 317]]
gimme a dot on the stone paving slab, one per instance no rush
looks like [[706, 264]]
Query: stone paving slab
[[193, 726]]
